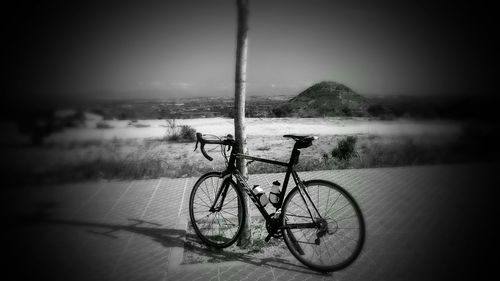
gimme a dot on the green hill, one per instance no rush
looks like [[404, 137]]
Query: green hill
[[324, 99]]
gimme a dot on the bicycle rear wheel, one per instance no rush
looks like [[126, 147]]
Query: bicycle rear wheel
[[219, 227], [331, 242]]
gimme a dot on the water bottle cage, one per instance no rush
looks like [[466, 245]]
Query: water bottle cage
[[271, 199]]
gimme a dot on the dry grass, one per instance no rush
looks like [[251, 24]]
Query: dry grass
[[153, 158], [197, 252]]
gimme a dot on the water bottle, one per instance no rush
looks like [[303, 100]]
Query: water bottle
[[259, 193], [274, 195]]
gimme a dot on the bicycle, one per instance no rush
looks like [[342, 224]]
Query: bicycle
[[326, 233]]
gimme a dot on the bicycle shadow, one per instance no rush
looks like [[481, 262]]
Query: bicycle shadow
[[164, 236], [214, 256]]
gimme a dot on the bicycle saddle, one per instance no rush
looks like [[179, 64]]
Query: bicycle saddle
[[302, 141], [301, 137]]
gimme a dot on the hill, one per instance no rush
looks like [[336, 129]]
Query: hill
[[324, 99]]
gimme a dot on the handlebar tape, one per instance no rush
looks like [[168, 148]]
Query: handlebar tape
[[199, 138]]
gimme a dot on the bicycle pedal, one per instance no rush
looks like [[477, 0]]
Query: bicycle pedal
[[269, 236]]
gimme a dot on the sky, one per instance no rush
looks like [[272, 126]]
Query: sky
[[123, 49]]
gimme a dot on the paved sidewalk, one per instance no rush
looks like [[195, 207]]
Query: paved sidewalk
[[423, 223]]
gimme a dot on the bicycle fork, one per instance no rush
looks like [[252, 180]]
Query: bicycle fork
[[221, 193]]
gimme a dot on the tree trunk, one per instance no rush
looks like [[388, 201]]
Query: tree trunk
[[239, 105]]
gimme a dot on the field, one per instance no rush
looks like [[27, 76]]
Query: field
[[148, 129], [141, 149]]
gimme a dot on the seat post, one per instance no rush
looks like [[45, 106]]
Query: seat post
[[294, 158]]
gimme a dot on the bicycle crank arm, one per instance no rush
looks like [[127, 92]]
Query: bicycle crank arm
[[268, 237], [295, 243]]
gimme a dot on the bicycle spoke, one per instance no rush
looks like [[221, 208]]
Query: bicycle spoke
[[205, 223], [317, 192], [298, 216], [336, 234], [304, 234], [299, 206], [214, 190], [305, 242], [327, 200], [328, 252], [323, 231], [219, 228], [212, 223], [328, 245], [230, 200], [333, 204], [204, 205], [228, 220], [338, 253], [345, 218], [207, 193], [213, 186], [218, 223], [348, 228], [231, 229], [341, 208], [229, 213], [197, 212]]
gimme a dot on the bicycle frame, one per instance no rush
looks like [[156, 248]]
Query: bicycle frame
[[296, 210], [233, 171]]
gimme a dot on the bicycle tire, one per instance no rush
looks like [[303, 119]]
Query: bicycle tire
[[219, 229], [347, 227]]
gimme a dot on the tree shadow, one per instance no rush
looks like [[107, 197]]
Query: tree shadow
[[164, 236], [214, 255]]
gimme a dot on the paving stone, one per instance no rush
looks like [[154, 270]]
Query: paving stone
[[422, 223]]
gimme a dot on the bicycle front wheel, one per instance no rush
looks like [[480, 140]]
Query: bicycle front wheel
[[217, 225], [327, 242]]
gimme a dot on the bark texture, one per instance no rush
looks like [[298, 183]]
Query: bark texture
[[239, 104]]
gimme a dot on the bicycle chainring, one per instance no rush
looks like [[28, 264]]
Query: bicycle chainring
[[272, 226]]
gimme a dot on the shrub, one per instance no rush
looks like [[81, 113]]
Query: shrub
[[283, 110], [346, 148], [187, 133], [347, 111], [174, 137], [183, 133], [278, 112]]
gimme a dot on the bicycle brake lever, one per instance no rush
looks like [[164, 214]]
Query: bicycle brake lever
[[196, 146]]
